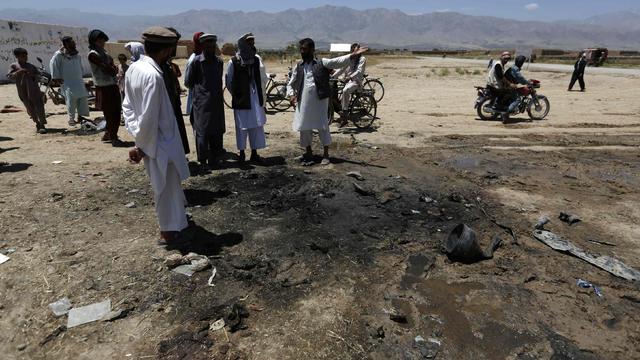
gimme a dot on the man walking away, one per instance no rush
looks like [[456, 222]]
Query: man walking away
[[354, 77], [578, 73], [150, 118], [107, 91], [309, 90], [26, 77], [66, 68], [204, 75], [244, 81]]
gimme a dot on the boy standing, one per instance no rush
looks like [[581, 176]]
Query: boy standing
[[26, 77]]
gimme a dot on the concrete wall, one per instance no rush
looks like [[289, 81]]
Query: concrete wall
[[40, 40], [115, 48]]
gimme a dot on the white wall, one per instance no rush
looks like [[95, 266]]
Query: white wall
[[40, 40]]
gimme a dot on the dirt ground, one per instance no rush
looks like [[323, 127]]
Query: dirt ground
[[309, 268]]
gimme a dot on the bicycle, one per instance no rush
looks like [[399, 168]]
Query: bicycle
[[363, 107], [276, 96], [277, 93], [376, 87]]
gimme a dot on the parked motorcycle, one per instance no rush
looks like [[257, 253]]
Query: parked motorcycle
[[47, 88], [50, 89], [537, 106]]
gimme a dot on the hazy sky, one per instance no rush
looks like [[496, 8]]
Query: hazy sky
[[520, 9]]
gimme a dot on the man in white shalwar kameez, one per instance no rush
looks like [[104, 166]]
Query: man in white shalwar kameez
[[150, 118], [245, 74], [354, 77], [309, 91]]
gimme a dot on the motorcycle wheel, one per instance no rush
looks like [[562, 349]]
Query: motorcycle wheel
[[486, 115], [539, 108]]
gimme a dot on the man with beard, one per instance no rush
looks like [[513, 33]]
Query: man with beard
[[245, 74], [204, 75], [150, 118], [66, 69], [309, 90]]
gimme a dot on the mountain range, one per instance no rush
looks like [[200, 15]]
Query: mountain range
[[377, 28]]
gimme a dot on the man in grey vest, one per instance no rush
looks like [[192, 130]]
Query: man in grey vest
[[309, 91], [245, 75]]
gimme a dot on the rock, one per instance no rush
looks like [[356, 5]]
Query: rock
[[426, 199], [55, 197], [387, 196], [60, 307], [130, 205], [568, 218], [22, 347], [541, 223]]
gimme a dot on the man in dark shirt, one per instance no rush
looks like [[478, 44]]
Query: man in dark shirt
[[26, 77], [578, 73], [204, 76]]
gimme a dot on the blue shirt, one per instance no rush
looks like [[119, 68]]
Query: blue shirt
[[69, 69]]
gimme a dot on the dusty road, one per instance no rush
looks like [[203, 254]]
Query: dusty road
[[319, 271], [540, 67]]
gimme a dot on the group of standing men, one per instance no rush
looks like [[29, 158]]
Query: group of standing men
[[146, 95], [152, 120]]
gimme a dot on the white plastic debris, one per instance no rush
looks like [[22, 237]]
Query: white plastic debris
[[217, 325], [4, 258], [213, 275], [197, 263], [130, 205], [60, 307], [57, 162], [89, 313]]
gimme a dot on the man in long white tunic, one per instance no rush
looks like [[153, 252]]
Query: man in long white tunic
[[354, 77], [150, 118], [245, 74], [309, 91]]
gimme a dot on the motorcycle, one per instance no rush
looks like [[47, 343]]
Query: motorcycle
[[537, 106], [47, 88], [52, 89]]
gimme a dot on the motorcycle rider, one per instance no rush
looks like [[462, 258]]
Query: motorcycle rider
[[514, 77], [496, 80]]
